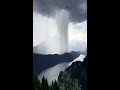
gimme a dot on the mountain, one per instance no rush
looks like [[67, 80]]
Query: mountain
[[77, 71], [42, 62], [52, 73], [52, 46]]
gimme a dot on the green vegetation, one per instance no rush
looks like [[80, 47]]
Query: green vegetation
[[36, 83], [69, 84], [54, 86], [43, 84], [76, 85]]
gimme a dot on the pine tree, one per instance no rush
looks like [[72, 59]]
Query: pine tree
[[36, 83], [46, 83], [43, 83], [76, 85], [67, 82], [54, 85]]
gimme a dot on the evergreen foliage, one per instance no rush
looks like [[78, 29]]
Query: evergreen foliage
[[69, 84]]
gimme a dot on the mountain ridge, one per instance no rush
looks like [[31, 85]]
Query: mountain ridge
[[42, 62], [77, 71]]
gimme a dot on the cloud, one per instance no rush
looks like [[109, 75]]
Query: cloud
[[79, 37], [75, 45], [77, 8], [43, 28], [46, 38], [78, 32]]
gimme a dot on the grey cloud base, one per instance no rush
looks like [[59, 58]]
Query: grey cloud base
[[77, 8]]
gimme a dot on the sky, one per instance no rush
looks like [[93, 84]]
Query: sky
[[76, 8], [45, 29]]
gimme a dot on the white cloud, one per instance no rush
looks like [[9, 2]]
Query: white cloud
[[43, 28], [78, 36], [45, 31], [78, 31]]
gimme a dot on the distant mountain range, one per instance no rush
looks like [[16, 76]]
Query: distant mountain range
[[42, 62], [52, 45], [78, 70]]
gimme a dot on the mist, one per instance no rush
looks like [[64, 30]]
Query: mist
[[52, 73], [53, 32], [62, 21], [56, 35]]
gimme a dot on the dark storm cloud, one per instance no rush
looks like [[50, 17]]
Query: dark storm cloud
[[77, 8]]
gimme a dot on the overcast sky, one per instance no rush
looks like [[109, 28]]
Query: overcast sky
[[45, 28], [77, 8]]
